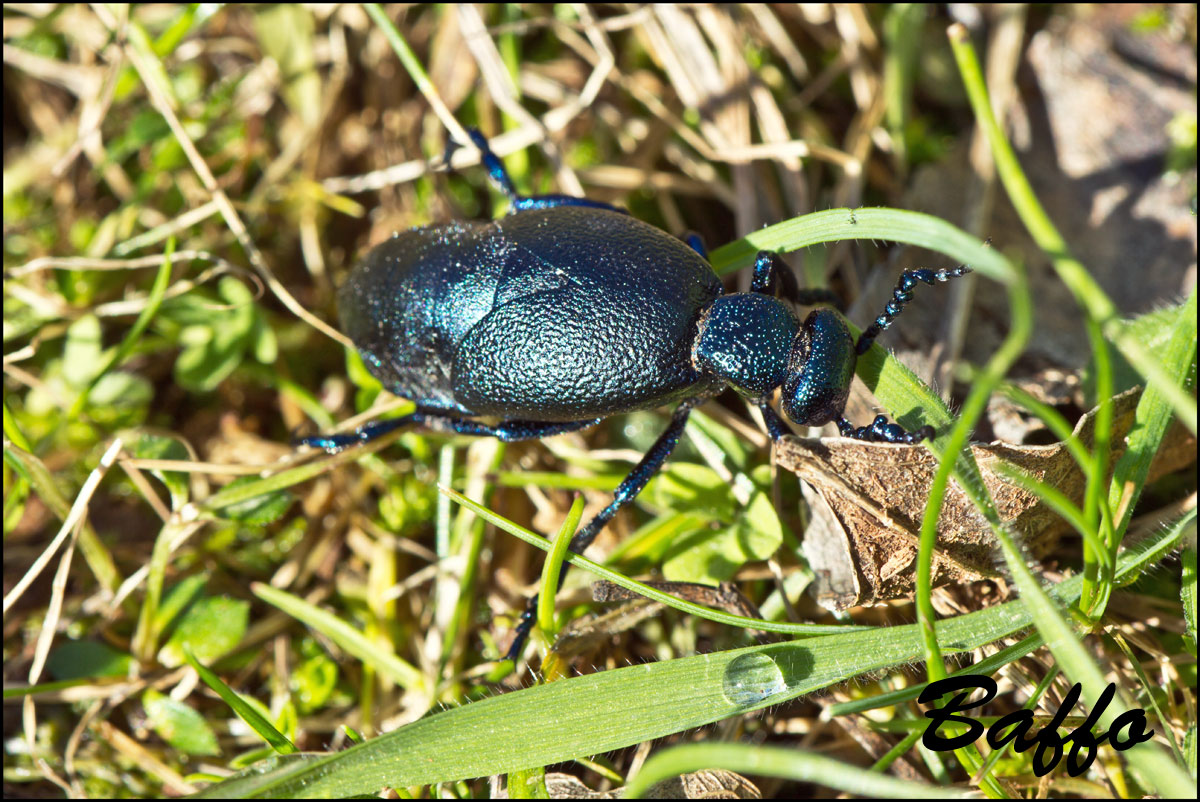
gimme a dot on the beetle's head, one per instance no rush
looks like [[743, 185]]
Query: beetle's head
[[819, 369], [754, 343]]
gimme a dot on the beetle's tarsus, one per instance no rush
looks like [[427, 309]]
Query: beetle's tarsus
[[881, 431]]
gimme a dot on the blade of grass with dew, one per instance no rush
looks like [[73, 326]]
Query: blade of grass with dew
[[591, 714]]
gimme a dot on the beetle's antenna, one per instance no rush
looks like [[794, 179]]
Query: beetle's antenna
[[901, 296]]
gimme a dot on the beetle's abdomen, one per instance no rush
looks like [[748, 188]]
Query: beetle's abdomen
[[412, 299], [596, 313]]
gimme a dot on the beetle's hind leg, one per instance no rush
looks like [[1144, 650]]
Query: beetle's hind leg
[[626, 492], [333, 443], [500, 177], [512, 431]]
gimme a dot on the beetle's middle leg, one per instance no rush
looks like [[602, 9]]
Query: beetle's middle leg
[[637, 479], [776, 428], [499, 175], [626, 492]]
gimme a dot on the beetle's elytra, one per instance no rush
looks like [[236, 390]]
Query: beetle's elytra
[[509, 319], [567, 311]]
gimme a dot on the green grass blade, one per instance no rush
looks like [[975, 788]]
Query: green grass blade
[[265, 729], [344, 635], [1154, 413], [591, 714], [552, 569]]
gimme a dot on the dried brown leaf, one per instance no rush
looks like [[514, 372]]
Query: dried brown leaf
[[710, 784], [868, 499]]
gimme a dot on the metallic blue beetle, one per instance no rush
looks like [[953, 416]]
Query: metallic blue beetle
[[568, 310]]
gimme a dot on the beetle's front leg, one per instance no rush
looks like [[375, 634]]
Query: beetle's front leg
[[769, 269], [880, 431], [626, 492]]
